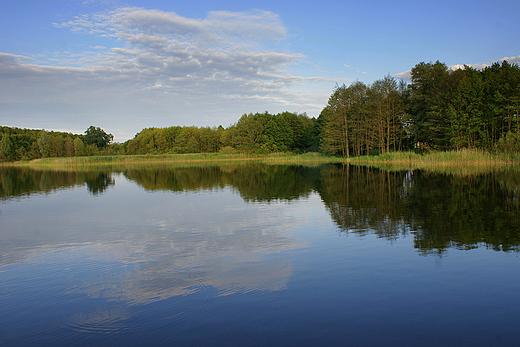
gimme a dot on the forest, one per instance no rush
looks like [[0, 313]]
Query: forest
[[439, 109]]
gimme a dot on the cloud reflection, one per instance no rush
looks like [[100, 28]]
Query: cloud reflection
[[162, 245]]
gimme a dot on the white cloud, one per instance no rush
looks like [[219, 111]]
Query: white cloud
[[162, 69], [406, 75], [221, 29], [512, 60]]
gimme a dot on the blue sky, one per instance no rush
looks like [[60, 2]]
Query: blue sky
[[129, 65]]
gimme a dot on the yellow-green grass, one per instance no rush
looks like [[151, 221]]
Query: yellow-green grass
[[173, 159], [438, 158], [461, 162]]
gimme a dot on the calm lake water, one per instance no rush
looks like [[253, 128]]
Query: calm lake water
[[259, 255]]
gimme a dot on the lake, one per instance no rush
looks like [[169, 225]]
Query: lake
[[249, 254]]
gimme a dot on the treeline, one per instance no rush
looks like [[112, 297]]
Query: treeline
[[253, 133], [440, 109], [27, 144]]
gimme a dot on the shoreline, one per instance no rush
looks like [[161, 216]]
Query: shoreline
[[389, 161]]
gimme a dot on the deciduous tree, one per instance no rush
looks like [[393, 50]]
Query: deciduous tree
[[97, 137]]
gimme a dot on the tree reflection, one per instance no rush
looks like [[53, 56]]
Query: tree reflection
[[463, 212], [363, 200], [280, 182], [98, 182], [17, 182], [177, 179], [440, 210], [253, 182]]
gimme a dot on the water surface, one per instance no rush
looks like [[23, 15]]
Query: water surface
[[258, 255]]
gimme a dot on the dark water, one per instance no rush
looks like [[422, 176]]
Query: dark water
[[256, 255]]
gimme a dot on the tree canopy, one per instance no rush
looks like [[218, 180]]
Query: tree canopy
[[97, 137], [442, 108]]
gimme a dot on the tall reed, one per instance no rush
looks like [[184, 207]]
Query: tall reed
[[462, 157], [174, 159]]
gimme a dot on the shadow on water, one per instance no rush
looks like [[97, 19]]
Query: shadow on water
[[462, 210]]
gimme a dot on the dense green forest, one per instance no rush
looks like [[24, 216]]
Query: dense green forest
[[26, 144], [440, 109]]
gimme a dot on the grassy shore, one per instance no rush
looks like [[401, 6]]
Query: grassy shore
[[433, 158], [463, 161], [454, 162], [173, 159]]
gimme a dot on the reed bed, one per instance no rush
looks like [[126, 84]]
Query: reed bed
[[455, 162], [174, 159], [463, 157], [462, 162]]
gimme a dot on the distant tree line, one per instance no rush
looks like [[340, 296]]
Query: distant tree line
[[441, 109], [258, 133], [27, 144]]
